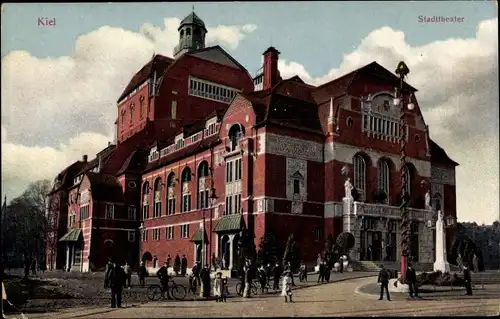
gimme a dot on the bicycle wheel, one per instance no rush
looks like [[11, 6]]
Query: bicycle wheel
[[154, 292], [178, 292], [239, 289]]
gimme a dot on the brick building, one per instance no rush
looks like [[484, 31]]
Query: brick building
[[204, 150]]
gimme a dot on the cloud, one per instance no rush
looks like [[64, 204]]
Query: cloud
[[72, 99], [458, 86]]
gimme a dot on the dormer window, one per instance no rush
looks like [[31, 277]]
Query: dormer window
[[235, 134]]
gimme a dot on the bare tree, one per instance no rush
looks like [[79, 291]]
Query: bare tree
[[52, 228]]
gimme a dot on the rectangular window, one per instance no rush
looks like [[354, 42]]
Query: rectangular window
[[186, 203], [157, 209], [185, 231], [296, 186], [169, 233], [110, 211], [144, 235], [173, 110], [229, 205], [237, 170], [237, 204], [318, 234], [156, 234], [131, 236], [365, 121], [131, 212], [229, 172], [84, 212], [171, 206], [145, 212]]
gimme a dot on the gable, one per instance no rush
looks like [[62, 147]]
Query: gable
[[218, 55]]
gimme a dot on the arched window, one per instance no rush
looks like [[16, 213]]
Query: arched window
[[235, 135], [407, 174], [186, 194], [182, 33], [170, 194], [132, 108], [145, 200], [383, 177], [360, 174], [157, 211], [203, 186], [188, 31], [437, 201]]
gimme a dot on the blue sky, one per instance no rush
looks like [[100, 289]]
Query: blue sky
[[85, 65], [327, 28]]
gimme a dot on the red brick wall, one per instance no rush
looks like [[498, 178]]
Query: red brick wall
[[128, 127]]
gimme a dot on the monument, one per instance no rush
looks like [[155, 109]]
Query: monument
[[441, 263]]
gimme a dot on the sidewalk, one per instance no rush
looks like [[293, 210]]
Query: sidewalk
[[86, 312]]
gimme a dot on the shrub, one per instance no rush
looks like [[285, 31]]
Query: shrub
[[437, 278], [345, 242]]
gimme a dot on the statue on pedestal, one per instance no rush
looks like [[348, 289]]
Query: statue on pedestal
[[348, 188], [428, 199]]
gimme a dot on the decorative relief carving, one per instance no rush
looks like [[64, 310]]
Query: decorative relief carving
[[185, 188], [296, 172], [84, 197], [260, 205], [293, 147], [442, 176], [297, 207], [145, 200], [170, 191], [233, 188], [157, 196], [388, 211]]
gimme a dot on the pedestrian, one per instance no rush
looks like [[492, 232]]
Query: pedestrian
[[467, 279], [155, 261], [303, 273], [369, 252], [286, 289], [141, 273], [107, 271], [205, 280], [328, 271], [128, 275], [184, 264], [162, 274], [276, 276], [475, 263], [261, 275], [321, 276], [169, 261], [116, 282], [33, 267], [248, 282], [411, 280], [219, 289], [383, 279], [196, 273], [214, 262]]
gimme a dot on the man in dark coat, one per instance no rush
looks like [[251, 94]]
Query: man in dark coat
[[321, 276], [116, 282], [276, 273], [383, 279], [467, 279], [184, 265], [162, 274], [411, 280], [205, 280], [141, 273]]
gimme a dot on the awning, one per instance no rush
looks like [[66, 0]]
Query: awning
[[198, 236], [230, 223], [72, 235]]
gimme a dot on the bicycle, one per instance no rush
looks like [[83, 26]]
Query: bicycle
[[156, 292], [264, 289], [240, 289]]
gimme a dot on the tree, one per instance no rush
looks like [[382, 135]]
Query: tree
[[51, 238], [292, 252], [345, 242], [267, 249]]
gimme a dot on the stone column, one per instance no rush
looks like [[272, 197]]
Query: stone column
[[232, 244], [67, 256]]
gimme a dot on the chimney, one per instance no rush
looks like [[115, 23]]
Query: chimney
[[271, 73], [85, 158], [100, 163], [331, 118]]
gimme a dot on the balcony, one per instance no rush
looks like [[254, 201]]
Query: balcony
[[386, 211]]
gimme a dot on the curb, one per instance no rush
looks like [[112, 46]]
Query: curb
[[332, 282]]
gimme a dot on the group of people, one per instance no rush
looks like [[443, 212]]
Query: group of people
[[179, 264], [30, 264], [326, 264]]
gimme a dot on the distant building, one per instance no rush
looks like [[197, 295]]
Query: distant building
[[203, 150]]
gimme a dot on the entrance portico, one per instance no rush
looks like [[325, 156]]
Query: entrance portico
[[74, 249], [227, 230]]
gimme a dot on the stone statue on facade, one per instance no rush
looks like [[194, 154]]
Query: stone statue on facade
[[440, 216], [428, 199], [348, 188]]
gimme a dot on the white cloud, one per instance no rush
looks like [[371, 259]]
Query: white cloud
[[457, 81], [72, 99]]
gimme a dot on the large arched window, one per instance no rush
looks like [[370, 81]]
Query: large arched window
[[145, 200], [383, 177], [157, 190], [186, 193], [407, 174], [360, 174], [235, 134], [437, 201], [203, 186], [171, 194]]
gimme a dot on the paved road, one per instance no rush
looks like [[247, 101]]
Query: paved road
[[335, 299]]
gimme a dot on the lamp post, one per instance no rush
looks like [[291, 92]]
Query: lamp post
[[399, 100]]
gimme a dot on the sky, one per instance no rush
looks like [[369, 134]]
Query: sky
[[60, 83]]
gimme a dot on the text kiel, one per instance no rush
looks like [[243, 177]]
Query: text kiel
[[44, 21]]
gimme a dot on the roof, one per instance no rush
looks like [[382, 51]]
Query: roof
[[218, 55], [134, 163], [65, 178], [72, 235], [183, 152], [230, 223], [105, 187], [198, 236], [158, 64], [193, 19], [439, 155], [105, 153]]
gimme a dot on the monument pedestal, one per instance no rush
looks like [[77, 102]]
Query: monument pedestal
[[401, 288], [441, 263], [442, 266]]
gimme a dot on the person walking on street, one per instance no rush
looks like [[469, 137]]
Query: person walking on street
[[321, 276], [276, 276], [116, 281], [33, 267], [467, 279], [383, 279], [184, 265], [286, 289], [205, 280], [411, 280], [162, 274], [128, 275], [141, 273], [169, 261]]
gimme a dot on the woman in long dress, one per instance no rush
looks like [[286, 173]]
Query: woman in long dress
[[286, 290]]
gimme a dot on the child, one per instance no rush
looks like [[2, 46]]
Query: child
[[287, 286], [225, 289], [218, 287]]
